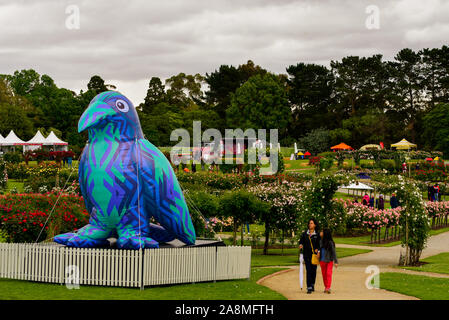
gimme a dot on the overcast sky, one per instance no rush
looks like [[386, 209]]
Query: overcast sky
[[128, 42]]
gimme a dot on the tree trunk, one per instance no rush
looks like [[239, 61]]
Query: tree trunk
[[372, 235], [234, 242], [267, 236], [241, 236]]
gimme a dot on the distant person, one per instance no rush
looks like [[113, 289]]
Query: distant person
[[328, 258], [365, 200], [310, 244], [69, 160], [404, 168], [429, 192], [371, 202], [432, 193], [394, 201], [380, 204], [436, 194]]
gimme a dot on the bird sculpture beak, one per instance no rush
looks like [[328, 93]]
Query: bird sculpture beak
[[95, 112]]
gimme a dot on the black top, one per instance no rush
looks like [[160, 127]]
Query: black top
[[304, 240]]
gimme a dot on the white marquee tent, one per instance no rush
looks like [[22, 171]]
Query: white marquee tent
[[36, 142], [357, 187], [53, 140]]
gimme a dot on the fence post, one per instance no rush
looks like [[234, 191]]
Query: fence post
[[249, 275], [216, 263], [142, 285]]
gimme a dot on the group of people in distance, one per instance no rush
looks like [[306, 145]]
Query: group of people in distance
[[433, 192], [378, 203]]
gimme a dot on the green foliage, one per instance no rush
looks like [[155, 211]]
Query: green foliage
[[326, 163], [414, 222], [204, 202], [24, 216], [13, 157], [316, 141], [318, 202], [329, 154], [261, 102], [242, 206], [436, 128], [387, 165]]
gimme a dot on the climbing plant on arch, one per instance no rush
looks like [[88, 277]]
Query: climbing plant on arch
[[414, 221]]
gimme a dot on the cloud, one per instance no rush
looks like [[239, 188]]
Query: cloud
[[129, 42]]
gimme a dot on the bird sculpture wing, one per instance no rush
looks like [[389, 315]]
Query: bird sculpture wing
[[162, 196]]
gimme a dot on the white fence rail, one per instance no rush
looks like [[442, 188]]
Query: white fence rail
[[124, 268]]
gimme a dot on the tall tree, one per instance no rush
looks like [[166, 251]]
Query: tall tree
[[436, 128], [222, 83], [96, 84], [185, 90], [155, 95], [310, 93], [260, 103], [408, 90]]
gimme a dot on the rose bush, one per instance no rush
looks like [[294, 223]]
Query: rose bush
[[23, 216]]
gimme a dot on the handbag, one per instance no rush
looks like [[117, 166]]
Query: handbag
[[315, 261]]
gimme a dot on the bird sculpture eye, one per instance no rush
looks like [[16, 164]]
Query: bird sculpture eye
[[122, 105]]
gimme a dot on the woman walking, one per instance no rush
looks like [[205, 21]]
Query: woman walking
[[328, 257], [310, 243]]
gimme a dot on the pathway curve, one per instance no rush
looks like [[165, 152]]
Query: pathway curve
[[349, 278]]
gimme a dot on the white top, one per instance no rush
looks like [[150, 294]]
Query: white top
[[359, 186], [13, 140], [38, 139], [53, 140]]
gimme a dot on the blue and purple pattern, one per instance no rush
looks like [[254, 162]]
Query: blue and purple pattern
[[125, 181]]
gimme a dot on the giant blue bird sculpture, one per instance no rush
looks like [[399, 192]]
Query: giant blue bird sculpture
[[125, 181]]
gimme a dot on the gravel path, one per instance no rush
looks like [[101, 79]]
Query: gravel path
[[349, 278]]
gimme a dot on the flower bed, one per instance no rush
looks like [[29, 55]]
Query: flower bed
[[22, 216]]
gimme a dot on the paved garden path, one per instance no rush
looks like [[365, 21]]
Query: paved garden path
[[349, 278]]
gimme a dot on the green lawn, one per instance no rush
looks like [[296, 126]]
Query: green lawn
[[437, 264], [221, 290], [12, 183], [290, 256], [422, 287]]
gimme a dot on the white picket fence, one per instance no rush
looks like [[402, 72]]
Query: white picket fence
[[123, 268]]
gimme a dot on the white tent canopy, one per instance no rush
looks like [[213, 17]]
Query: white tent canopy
[[38, 139], [13, 140], [53, 140], [58, 144], [357, 186], [36, 142]]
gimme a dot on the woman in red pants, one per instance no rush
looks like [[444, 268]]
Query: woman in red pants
[[328, 258]]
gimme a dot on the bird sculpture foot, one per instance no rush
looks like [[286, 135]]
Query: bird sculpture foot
[[136, 242], [89, 236]]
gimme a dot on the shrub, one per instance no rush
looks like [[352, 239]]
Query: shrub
[[13, 157], [328, 154], [387, 165], [17, 171], [326, 163], [318, 202], [242, 206], [23, 216]]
